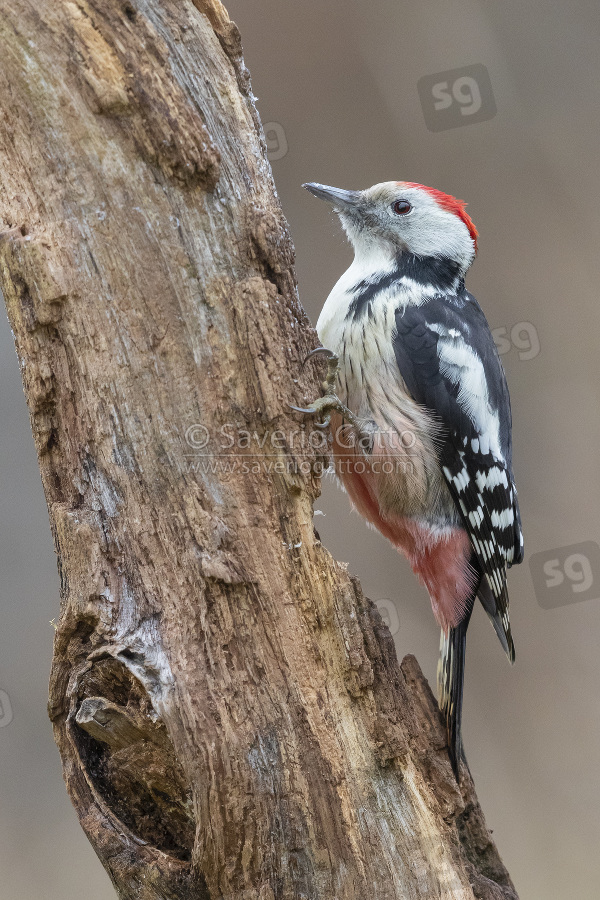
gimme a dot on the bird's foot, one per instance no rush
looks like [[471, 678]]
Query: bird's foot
[[329, 402], [325, 405]]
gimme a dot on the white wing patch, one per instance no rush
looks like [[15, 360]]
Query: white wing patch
[[465, 369]]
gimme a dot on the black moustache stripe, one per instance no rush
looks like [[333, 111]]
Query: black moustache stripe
[[429, 271]]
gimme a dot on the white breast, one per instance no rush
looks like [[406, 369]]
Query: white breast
[[370, 384], [369, 379]]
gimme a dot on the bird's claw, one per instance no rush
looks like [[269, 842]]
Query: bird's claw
[[316, 409], [333, 367], [329, 402], [321, 351]]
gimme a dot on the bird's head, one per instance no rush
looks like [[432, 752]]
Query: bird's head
[[400, 216]]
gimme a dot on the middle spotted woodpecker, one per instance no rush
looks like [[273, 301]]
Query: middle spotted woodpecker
[[418, 407]]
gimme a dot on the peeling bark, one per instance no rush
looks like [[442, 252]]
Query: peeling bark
[[231, 715]]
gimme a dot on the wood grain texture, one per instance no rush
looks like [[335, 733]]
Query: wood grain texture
[[231, 715]]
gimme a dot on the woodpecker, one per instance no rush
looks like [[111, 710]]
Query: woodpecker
[[419, 412]]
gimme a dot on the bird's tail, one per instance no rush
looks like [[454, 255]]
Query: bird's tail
[[450, 678]]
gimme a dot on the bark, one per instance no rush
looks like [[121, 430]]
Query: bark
[[230, 712]]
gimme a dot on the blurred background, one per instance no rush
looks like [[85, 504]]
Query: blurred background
[[496, 103]]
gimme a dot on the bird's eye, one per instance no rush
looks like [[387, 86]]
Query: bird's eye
[[401, 207]]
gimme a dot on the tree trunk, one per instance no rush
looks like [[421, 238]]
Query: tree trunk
[[230, 712]]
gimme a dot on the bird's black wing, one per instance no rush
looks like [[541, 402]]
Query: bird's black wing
[[448, 360]]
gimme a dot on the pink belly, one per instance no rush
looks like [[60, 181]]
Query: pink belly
[[440, 561]]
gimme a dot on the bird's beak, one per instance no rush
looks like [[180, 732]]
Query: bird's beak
[[339, 199]]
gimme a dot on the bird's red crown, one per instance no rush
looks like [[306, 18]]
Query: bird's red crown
[[446, 201]]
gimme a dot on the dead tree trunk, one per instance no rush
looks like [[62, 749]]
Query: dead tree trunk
[[229, 709]]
